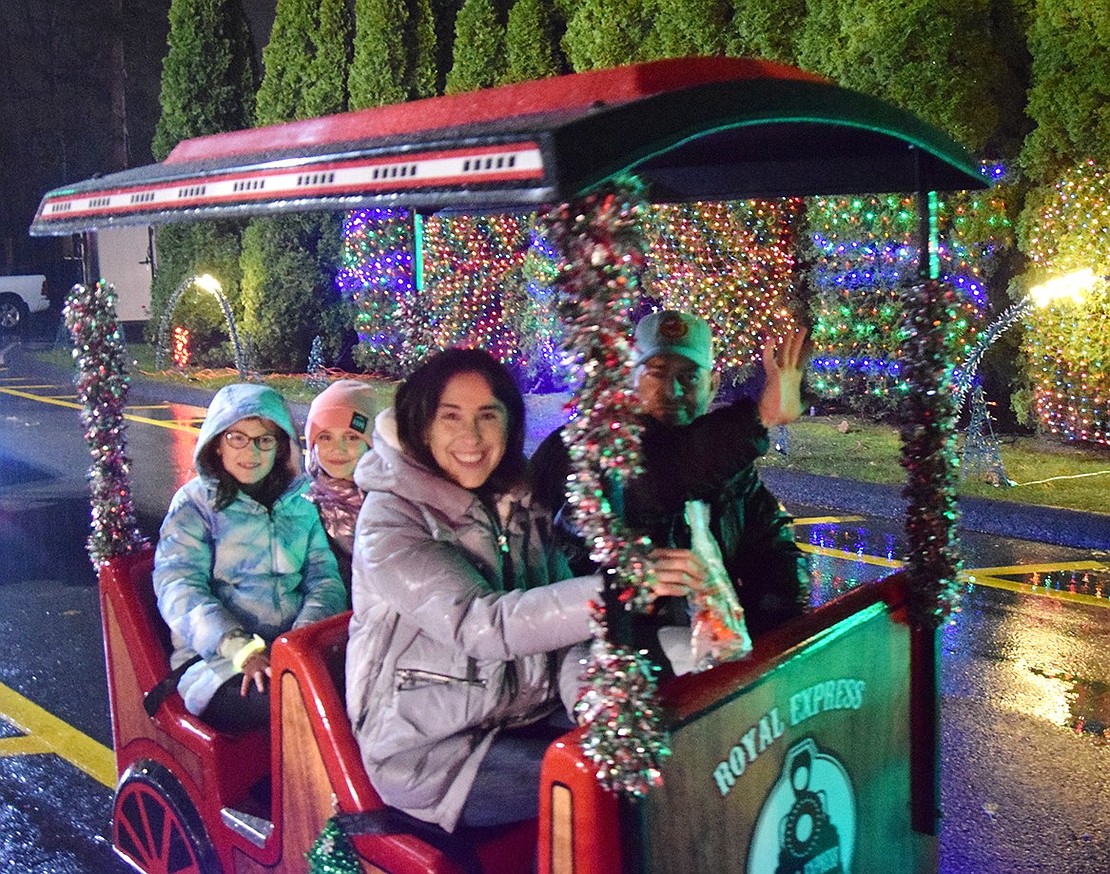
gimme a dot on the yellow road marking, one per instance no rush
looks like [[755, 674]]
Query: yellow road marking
[[851, 556], [23, 745], [826, 520], [1041, 568], [1042, 591], [56, 736], [160, 423]]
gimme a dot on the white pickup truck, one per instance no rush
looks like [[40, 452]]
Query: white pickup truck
[[19, 297]]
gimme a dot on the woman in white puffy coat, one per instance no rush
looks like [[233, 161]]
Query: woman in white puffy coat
[[462, 608], [241, 557]]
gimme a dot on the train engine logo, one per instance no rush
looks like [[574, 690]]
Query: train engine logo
[[807, 824]]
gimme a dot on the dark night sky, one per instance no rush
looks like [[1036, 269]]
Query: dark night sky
[[55, 97]]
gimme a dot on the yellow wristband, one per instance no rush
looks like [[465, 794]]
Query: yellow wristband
[[254, 645]]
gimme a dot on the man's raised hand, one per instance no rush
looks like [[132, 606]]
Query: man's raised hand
[[781, 402]]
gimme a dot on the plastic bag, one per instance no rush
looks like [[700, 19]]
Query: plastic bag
[[719, 632]]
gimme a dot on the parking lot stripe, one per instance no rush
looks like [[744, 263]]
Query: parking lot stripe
[[1039, 568], [25, 745], [1040, 591], [55, 736], [160, 423], [856, 557]]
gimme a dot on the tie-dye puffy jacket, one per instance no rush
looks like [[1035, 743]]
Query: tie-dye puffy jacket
[[242, 567]]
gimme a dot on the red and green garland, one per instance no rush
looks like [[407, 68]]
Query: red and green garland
[[600, 249], [102, 385]]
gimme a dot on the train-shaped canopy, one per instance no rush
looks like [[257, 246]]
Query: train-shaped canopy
[[692, 128]]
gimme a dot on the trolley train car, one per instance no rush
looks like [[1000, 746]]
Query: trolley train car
[[816, 754]]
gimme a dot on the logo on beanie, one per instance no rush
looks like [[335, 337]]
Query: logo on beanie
[[359, 422], [673, 327]]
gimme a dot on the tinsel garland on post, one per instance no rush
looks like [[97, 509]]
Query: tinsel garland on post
[[600, 249], [929, 455], [102, 385]]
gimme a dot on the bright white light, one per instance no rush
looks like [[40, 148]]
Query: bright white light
[[208, 282], [1070, 286]]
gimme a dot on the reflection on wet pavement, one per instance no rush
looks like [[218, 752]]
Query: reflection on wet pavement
[[1087, 701], [1093, 583], [843, 555], [847, 551]]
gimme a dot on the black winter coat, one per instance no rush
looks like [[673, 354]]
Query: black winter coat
[[710, 459]]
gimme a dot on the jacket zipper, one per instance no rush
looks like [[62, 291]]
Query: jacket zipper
[[411, 678]]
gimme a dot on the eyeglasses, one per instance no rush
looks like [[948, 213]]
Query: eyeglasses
[[239, 440]]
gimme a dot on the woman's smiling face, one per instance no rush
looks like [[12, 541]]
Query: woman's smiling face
[[468, 435]]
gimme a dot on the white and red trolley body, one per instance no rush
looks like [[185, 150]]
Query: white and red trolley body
[[812, 755]]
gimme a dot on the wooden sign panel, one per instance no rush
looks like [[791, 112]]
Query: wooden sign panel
[[804, 771]]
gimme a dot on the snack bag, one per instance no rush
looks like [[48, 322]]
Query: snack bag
[[719, 632]]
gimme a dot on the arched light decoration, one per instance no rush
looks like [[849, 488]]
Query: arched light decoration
[[209, 284]]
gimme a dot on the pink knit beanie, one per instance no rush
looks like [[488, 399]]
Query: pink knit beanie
[[346, 403]]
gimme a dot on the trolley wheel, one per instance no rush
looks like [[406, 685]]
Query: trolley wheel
[[155, 826]]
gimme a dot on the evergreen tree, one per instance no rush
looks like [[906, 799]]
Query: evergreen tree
[[305, 61], [1069, 100], [605, 33], [395, 51], [820, 44], [208, 77], [289, 262], [288, 289], [327, 90], [765, 29], [685, 27], [934, 58], [479, 55], [422, 75], [188, 250], [208, 83], [530, 47], [378, 69]]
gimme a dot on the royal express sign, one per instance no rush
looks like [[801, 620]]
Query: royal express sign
[[802, 771]]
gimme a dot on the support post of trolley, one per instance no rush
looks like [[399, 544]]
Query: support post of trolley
[[924, 639]]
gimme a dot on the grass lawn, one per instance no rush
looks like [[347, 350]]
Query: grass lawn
[[291, 385], [1046, 473]]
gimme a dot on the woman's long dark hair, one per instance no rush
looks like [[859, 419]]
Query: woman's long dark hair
[[267, 490], [418, 399]]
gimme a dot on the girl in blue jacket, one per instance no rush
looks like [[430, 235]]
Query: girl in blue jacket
[[241, 557]]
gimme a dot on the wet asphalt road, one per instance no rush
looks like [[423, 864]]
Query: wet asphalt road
[[1025, 677]]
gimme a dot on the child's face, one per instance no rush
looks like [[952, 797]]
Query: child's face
[[338, 451], [247, 450]]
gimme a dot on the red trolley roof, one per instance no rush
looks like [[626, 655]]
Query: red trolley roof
[[692, 128]]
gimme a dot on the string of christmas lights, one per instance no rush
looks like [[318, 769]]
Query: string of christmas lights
[[929, 455], [376, 275], [1067, 343], [734, 264], [862, 251], [472, 282], [102, 386]]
